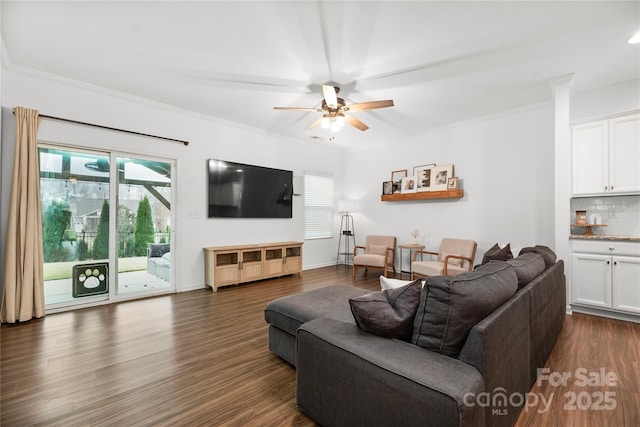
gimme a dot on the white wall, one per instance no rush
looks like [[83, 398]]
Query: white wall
[[208, 139], [505, 166]]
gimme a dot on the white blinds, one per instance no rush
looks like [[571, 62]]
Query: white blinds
[[318, 207]]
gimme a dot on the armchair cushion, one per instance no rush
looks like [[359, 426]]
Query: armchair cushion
[[388, 313], [451, 261], [435, 268], [377, 250], [370, 260]]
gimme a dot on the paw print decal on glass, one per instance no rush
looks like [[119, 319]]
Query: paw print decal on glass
[[90, 279]]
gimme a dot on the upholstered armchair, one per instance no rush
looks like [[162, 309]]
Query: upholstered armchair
[[455, 257], [378, 252]]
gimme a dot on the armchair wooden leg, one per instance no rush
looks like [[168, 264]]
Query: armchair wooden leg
[[353, 271]]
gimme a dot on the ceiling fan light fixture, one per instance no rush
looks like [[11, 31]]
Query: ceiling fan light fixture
[[635, 38], [325, 123], [335, 126]]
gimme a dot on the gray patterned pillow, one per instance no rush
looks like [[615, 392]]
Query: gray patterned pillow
[[388, 313]]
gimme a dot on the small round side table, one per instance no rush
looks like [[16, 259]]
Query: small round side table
[[412, 247]]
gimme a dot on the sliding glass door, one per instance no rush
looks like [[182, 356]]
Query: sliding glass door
[[143, 225], [106, 226]]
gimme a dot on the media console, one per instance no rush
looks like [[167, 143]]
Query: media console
[[232, 265]]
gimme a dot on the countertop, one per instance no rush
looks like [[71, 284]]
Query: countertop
[[605, 237]]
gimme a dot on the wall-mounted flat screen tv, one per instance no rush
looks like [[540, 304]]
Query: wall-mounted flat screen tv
[[237, 190]]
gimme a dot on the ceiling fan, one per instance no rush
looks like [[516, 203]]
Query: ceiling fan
[[335, 110]]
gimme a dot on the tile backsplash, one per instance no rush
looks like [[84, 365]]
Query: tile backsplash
[[621, 214]]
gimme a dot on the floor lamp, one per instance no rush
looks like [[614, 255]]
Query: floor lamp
[[347, 237]]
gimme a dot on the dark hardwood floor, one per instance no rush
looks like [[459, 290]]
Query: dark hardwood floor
[[201, 359]]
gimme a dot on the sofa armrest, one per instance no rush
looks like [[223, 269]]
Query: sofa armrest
[[345, 376], [498, 347]]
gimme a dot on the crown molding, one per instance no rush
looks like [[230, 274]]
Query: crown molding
[[557, 82]]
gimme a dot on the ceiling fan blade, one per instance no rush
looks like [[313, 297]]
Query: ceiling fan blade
[[330, 96], [355, 123], [296, 109], [371, 105], [314, 124]]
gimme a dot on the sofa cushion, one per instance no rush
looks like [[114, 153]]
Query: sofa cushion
[[388, 313], [545, 252], [527, 267], [157, 249], [450, 306], [291, 311], [496, 253]]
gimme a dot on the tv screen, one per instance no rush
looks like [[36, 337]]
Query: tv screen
[[238, 190]]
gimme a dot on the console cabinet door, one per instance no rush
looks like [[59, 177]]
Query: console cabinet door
[[624, 154], [625, 277], [591, 279], [589, 158], [293, 259]]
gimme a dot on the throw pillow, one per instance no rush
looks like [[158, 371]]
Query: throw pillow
[[496, 253], [457, 262], [388, 313], [378, 250], [527, 267], [451, 306], [389, 283]]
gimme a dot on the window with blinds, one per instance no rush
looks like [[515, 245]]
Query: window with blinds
[[318, 207]]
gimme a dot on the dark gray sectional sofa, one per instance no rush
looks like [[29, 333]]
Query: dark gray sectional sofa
[[345, 376]]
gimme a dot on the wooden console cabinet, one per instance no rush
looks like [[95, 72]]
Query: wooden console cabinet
[[231, 265]]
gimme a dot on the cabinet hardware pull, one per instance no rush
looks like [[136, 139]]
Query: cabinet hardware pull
[[611, 248], [605, 188], [612, 187], [608, 263], [615, 262]]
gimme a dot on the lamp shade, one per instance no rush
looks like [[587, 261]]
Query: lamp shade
[[347, 205]]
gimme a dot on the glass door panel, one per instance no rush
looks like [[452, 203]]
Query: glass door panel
[[143, 226], [74, 192]]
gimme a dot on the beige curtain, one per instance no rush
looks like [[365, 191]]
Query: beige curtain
[[23, 290]]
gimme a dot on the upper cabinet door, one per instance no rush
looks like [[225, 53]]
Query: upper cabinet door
[[589, 158], [624, 154]]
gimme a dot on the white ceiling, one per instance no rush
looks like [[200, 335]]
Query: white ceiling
[[441, 62]]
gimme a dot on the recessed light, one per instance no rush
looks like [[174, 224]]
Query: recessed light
[[635, 38]]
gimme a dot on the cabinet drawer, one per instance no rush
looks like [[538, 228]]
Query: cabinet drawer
[[606, 247]]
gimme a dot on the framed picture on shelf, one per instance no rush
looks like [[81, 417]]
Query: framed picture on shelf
[[440, 177], [396, 176], [452, 183], [387, 187], [423, 176], [408, 185], [396, 179]]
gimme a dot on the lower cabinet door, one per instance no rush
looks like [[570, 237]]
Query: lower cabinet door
[[625, 273], [591, 279]]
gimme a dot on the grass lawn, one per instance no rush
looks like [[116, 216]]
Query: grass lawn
[[62, 270]]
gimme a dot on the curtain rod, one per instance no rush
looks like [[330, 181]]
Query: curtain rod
[[44, 116]]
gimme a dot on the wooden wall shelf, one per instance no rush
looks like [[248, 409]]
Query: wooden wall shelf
[[423, 195]]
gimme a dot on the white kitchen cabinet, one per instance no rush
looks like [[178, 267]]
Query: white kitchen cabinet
[[606, 275], [605, 156]]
